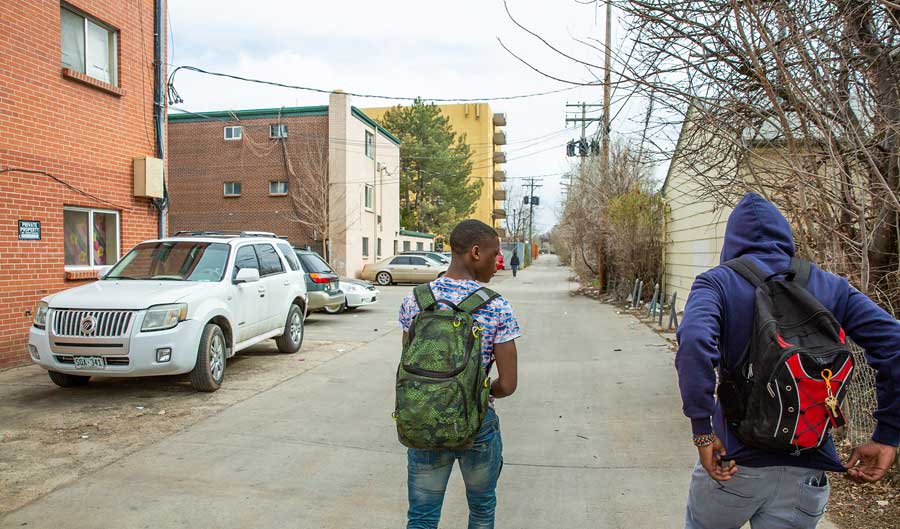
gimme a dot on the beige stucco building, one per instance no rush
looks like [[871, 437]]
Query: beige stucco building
[[364, 169]]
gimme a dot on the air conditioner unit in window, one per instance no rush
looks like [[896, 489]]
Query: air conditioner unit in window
[[148, 177]]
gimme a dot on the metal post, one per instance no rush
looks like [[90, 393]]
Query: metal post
[[640, 292], [673, 315], [634, 292], [662, 299], [652, 311]]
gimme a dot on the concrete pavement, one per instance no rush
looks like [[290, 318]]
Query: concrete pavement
[[594, 437]]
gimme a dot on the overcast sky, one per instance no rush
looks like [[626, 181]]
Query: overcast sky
[[402, 48]]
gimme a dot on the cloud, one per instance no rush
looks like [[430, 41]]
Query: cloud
[[396, 47]]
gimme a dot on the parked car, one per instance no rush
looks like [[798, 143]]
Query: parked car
[[500, 261], [358, 293], [404, 269], [322, 284], [183, 304], [434, 256]]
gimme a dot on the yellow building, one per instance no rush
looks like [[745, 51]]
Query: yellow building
[[485, 137]]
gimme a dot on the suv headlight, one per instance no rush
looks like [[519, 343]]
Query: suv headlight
[[40, 315], [162, 317]]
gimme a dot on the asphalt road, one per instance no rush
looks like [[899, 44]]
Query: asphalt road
[[594, 437]]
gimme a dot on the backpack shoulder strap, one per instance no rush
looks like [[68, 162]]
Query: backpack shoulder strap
[[801, 270], [424, 297], [478, 299], [748, 270]]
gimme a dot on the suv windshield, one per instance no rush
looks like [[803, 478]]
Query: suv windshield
[[313, 264], [173, 261]]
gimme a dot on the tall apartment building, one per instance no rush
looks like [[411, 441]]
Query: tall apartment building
[[322, 176], [76, 117], [485, 135]]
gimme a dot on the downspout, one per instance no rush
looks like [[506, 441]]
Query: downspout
[[159, 106]]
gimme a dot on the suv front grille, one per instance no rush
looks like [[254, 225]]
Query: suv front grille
[[91, 323]]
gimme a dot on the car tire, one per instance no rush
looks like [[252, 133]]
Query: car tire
[[65, 380], [336, 309], [292, 338], [384, 279], [209, 371]]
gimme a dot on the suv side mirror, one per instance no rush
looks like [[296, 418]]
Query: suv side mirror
[[246, 275]]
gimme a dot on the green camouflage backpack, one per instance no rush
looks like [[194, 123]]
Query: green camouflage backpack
[[442, 387]]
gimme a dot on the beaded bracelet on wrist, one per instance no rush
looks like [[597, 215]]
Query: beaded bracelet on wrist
[[705, 439]]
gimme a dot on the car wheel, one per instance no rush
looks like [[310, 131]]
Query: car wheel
[[384, 279], [290, 341], [64, 380], [209, 371], [336, 309]]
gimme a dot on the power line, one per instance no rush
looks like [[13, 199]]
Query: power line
[[345, 141], [174, 98], [487, 162]]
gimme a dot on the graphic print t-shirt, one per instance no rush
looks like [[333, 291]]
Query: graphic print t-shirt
[[497, 318]]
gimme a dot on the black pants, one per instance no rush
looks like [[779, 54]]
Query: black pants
[[515, 268]]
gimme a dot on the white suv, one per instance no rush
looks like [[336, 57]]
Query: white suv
[[177, 305]]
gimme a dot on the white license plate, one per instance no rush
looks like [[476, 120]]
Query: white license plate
[[89, 362]]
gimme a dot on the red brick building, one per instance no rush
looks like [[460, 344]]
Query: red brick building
[[76, 109], [212, 151], [310, 174]]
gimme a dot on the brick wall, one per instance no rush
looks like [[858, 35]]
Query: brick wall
[[83, 133], [201, 161]]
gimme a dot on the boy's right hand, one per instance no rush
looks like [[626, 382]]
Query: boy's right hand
[[711, 460]]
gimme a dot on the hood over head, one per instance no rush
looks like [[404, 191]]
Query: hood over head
[[757, 227]]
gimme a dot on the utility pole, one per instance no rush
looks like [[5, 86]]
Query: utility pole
[[583, 147], [531, 199], [607, 82]]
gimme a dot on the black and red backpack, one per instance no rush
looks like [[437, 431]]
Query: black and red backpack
[[785, 393]]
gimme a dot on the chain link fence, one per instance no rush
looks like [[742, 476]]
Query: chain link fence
[[861, 402]]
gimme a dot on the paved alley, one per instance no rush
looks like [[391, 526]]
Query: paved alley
[[593, 438]]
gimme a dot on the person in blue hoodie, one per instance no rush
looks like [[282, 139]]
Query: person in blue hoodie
[[732, 483]]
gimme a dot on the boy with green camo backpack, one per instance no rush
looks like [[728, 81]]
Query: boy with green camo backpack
[[454, 331]]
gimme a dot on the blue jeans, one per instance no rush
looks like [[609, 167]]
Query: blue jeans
[[429, 471], [767, 497]]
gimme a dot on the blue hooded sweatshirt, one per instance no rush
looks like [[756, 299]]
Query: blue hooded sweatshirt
[[718, 321]]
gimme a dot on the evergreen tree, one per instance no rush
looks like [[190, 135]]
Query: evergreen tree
[[435, 164]]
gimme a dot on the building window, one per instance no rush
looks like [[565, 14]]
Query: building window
[[278, 188], [378, 248], [89, 46], [365, 247], [233, 133], [370, 145], [420, 246], [395, 246], [431, 247], [370, 197], [278, 130], [232, 189], [91, 237], [405, 246]]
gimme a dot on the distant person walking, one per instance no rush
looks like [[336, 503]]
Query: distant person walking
[[775, 330], [514, 263]]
